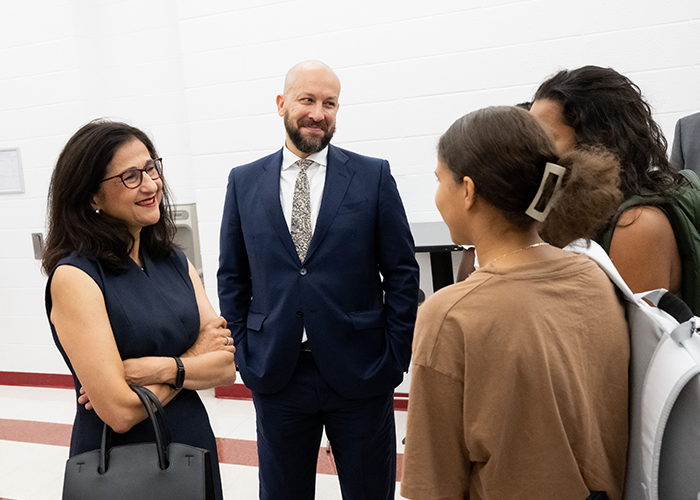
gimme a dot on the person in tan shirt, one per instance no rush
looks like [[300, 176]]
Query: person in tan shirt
[[519, 384]]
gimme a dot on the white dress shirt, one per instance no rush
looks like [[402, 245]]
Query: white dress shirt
[[288, 178], [316, 174]]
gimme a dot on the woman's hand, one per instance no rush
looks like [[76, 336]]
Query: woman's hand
[[83, 399], [213, 336], [158, 390]]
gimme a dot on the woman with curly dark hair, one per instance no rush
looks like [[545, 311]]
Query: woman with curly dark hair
[[594, 106], [125, 305]]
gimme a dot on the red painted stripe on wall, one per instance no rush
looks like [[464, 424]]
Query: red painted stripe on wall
[[231, 451], [234, 391], [242, 452], [60, 381], [27, 431], [240, 391], [401, 401], [51, 380]]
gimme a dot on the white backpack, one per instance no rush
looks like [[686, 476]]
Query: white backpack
[[663, 457]]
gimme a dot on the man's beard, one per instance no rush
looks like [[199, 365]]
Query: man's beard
[[307, 146]]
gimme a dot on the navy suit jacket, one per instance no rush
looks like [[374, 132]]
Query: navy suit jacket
[[685, 152], [356, 293]]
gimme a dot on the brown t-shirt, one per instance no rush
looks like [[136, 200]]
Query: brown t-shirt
[[519, 386]]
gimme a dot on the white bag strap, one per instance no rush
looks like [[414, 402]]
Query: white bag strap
[[596, 253], [675, 362]]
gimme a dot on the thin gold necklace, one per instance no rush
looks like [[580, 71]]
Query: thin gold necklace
[[519, 250]]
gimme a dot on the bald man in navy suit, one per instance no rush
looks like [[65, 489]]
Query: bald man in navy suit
[[685, 152], [319, 284]]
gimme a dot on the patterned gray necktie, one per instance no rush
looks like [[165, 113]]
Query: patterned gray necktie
[[301, 210]]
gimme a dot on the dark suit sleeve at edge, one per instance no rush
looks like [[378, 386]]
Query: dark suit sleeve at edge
[[676, 149], [234, 282], [399, 269]]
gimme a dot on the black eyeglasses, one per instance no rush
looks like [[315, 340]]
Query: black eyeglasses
[[132, 177]]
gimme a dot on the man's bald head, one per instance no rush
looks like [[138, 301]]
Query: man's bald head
[[306, 70]]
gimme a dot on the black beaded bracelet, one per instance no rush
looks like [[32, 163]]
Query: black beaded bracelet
[[180, 377]]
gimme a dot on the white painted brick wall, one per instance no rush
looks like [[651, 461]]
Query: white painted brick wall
[[201, 77]]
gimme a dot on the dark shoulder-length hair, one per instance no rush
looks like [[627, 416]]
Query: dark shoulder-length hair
[[73, 225], [504, 150], [607, 109]]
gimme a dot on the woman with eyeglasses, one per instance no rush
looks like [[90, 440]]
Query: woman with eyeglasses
[[125, 305], [519, 381]]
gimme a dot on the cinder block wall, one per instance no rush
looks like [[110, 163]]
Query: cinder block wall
[[201, 77]]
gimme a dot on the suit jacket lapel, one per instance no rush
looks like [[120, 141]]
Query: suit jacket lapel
[[338, 176], [269, 188]]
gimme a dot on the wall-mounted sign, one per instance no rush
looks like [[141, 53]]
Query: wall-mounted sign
[[11, 180]]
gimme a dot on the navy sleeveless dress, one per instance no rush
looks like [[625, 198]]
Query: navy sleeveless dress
[[153, 312]]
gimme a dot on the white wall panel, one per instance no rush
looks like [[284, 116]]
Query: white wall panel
[[211, 201], [32, 358], [201, 76], [219, 136], [37, 26], [141, 46], [35, 59], [26, 331], [170, 138], [141, 79], [194, 8], [212, 171], [204, 34], [216, 102], [131, 16], [21, 272], [160, 108], [42, 90], [213, 68], [20, 301], [11, 9]]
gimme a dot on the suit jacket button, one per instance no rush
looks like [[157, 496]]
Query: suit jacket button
[[300, 313], [302, 271]]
